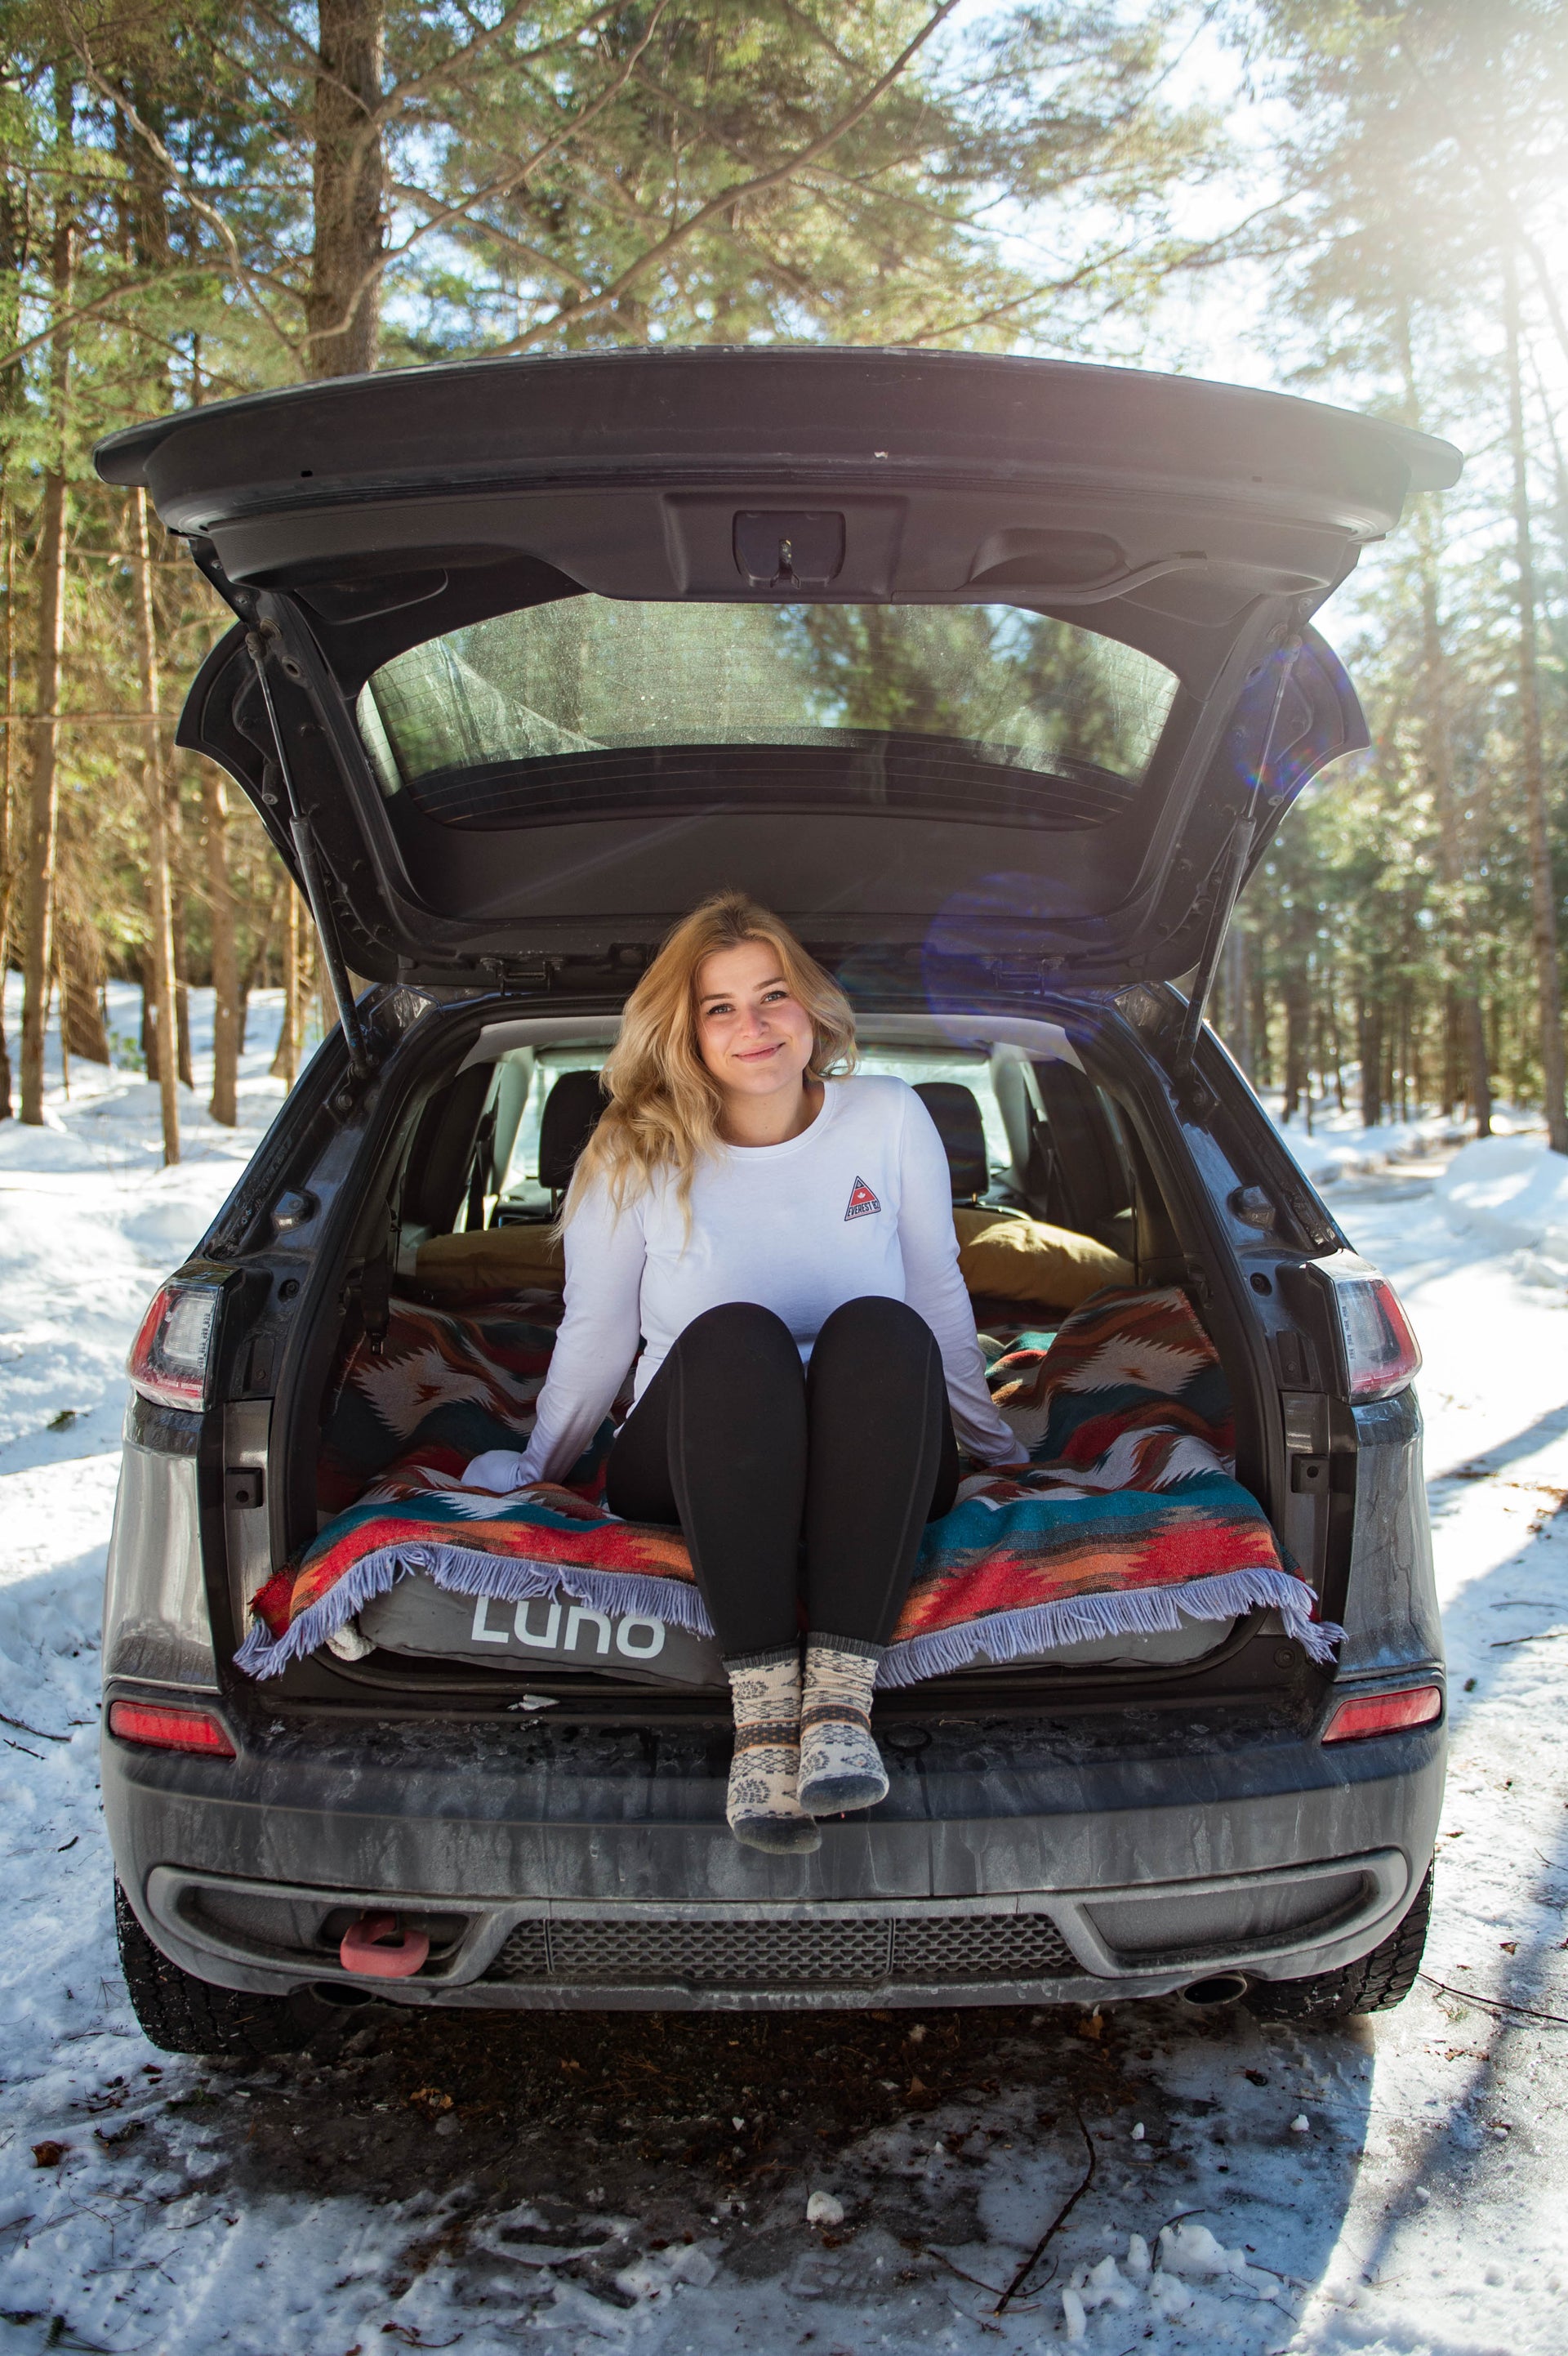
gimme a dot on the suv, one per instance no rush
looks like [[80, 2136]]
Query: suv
[[994, 676]]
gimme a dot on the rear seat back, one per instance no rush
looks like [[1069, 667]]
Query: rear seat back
[[570, 1116], [441, 1157], [955, 1109], [1079, 1172]]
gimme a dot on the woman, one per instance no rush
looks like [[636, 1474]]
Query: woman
[[780, 1236]]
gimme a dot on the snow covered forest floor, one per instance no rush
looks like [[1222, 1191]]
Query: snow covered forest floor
[[641, 2183]]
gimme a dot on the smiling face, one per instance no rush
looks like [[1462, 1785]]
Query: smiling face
[[752, 1033]]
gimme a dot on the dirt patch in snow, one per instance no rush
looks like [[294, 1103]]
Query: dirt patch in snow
[[627, 2132]]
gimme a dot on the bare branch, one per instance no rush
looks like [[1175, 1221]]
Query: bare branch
[[456, 67], [197, 203], [789, 167], [506, 183], [499, 235], [78, 311]]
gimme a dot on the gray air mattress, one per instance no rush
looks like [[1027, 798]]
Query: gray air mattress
[[544, 1632], [551, 1631]]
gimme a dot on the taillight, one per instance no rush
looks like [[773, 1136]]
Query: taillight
[[1382, 1355], [1384, 1713], [168, 1360], [164, 1728]]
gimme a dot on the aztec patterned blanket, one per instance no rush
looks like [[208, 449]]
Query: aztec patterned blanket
[[1129, 1518]]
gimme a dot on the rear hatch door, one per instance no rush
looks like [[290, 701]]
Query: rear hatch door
[[997, 660]]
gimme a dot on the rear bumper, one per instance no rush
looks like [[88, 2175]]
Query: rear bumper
[[1012, 1865]]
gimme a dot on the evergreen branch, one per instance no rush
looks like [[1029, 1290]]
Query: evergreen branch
[[78, 311], [504, 186], [198, 204], [788, 169]]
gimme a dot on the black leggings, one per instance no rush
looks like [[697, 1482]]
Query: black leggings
[[752, 1453]]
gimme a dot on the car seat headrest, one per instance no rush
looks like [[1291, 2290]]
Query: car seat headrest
[[571, 1115], [955, 1109]]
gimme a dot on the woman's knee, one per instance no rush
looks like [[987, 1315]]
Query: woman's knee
[[874, 1322], [738, 1334]]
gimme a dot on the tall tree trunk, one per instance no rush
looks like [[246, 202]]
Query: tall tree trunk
[[1296, 1078], [286, 1061], [149, 1018], [1453, 848], [1543, 884], [227, 1012], [43, 799], [1369, 1041], [78, 960], [65, 1038], [343, 304], [1262, 1072], [254, 973], [43, 795], [8, 880], [182, 968], [1238, 1003], [161, 941], [14, 234]]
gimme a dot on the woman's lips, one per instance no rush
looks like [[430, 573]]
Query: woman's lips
[[759, 1054]]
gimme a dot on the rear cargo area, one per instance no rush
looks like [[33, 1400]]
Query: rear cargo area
[[1093, 1331]]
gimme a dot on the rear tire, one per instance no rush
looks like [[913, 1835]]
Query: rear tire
[[182, 2014], [1376, 1984]]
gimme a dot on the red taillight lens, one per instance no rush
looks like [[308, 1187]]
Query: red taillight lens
[[1382, 1354], [168, 1360], [164, 1728], [1384, 1713]]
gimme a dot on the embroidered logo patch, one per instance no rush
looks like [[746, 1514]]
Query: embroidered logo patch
[[862, 1202]]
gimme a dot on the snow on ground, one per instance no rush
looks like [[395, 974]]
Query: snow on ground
[[1512, 1194], [639, 2184], [1338, 1145]]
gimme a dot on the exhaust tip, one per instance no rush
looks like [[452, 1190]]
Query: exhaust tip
[[340, 1993], [1209, 1994]]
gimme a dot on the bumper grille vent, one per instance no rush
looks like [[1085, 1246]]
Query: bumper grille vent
[[981, 1947], [944, 1947]]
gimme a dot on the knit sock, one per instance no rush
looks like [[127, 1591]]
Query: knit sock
[[840, 1766], [762, 1807]]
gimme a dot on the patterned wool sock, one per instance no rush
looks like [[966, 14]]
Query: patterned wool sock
[[762, 1807], [840, 1766]]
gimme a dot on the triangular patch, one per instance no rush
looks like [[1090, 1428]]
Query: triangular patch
[[862, 1202]]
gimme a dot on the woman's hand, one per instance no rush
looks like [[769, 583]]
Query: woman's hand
[[499, 1470]]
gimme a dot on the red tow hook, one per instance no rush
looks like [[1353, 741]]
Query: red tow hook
[[378, 1947]]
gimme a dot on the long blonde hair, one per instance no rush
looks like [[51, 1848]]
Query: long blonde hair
[[663, 1104]]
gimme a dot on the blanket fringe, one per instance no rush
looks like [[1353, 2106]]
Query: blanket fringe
[[1081, 1619], [464, 1571], [1000, 1636]]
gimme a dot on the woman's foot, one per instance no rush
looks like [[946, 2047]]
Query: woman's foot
[[840, 1766], [762, 1807]]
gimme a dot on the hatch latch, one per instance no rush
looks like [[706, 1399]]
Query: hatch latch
[[785, 552]]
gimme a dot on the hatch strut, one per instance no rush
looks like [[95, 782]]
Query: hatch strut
[[1232, 869], [310, 874]]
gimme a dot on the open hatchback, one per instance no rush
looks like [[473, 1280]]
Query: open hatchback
[[994, 678]]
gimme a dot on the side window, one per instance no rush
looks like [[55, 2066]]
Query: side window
[[555, 1119], [1069, 1156]]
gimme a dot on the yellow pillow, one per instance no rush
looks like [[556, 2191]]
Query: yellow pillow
[[1025, 1261], [491, 1260], [1006, 1259]]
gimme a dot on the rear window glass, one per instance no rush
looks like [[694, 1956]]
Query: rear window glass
[[592, 705], [914, 1064]]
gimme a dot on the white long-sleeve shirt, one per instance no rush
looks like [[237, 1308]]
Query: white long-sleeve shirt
[[860, 1203]]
